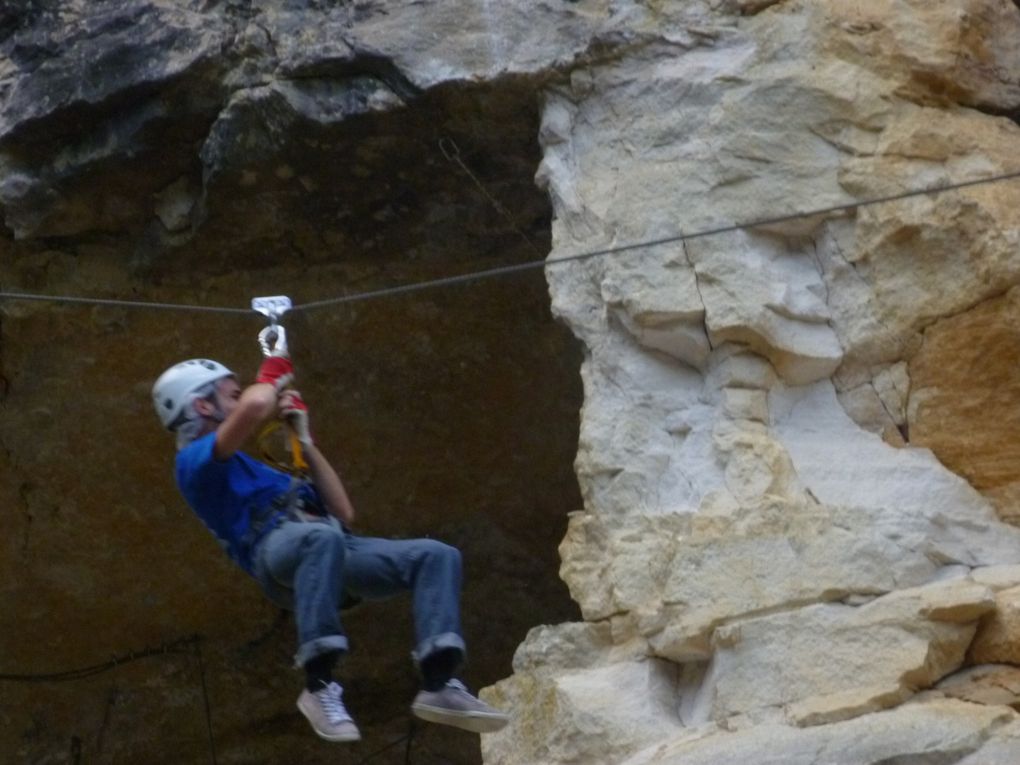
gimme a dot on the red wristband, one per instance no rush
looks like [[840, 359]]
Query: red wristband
[[276, 370]]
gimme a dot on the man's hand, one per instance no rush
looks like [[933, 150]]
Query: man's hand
[[294, 410], [324, 476], [277, 371]]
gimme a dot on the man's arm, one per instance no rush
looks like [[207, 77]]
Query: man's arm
[[324, 476], [328, 484], [255, 405]]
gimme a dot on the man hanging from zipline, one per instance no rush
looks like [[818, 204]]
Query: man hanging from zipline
[[294, 539]]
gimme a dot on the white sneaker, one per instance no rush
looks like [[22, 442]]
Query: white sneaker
[[453, 705], [326, 712]]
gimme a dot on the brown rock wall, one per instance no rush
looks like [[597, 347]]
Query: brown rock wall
[[451, 413], [965, 398]]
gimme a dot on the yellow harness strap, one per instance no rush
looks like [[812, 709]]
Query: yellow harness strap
[[297, 455]]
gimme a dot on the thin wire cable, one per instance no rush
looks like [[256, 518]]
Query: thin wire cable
[[183, 645], [205, 699], [408, 737], [187, 645], [411, 730], [451, 151], [533, 264], [122, 303]]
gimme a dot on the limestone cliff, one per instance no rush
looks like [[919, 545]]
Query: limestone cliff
[[796, 453]]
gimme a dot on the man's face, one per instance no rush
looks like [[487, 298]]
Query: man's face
[[228, 393]]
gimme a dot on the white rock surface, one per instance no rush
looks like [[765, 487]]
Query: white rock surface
[[829, 662], [594, 714], [938, 731], [755, 515]]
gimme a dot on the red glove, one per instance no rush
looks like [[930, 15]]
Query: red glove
[[294, 410], [278, 371]]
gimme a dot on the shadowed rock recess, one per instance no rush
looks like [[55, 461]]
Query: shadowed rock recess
[[795, 539], [205, 154]]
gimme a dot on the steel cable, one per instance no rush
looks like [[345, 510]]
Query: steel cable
[[516, 268]]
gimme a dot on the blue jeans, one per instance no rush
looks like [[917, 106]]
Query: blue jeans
[[307, 568]]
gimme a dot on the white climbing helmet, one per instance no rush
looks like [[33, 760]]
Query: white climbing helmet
[[172, 390]]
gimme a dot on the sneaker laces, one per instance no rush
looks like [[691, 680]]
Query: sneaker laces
[[331, 700], [457, 685]]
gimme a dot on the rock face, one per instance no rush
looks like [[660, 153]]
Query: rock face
[[796, 456], [787, 474]]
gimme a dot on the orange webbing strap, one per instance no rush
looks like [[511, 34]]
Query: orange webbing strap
[[299, 466], [296, 453]]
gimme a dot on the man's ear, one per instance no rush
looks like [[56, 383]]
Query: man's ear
[[204, 407]]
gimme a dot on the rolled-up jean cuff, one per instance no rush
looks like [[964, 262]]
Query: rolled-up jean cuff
[[317, 647], [430, 645]]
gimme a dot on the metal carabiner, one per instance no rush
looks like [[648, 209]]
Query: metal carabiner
[[450, 149], [272, 339]]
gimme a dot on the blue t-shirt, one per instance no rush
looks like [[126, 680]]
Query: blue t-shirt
[[228, 494]]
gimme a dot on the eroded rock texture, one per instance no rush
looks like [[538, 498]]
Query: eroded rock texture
[[753, 552], [796, 455]]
